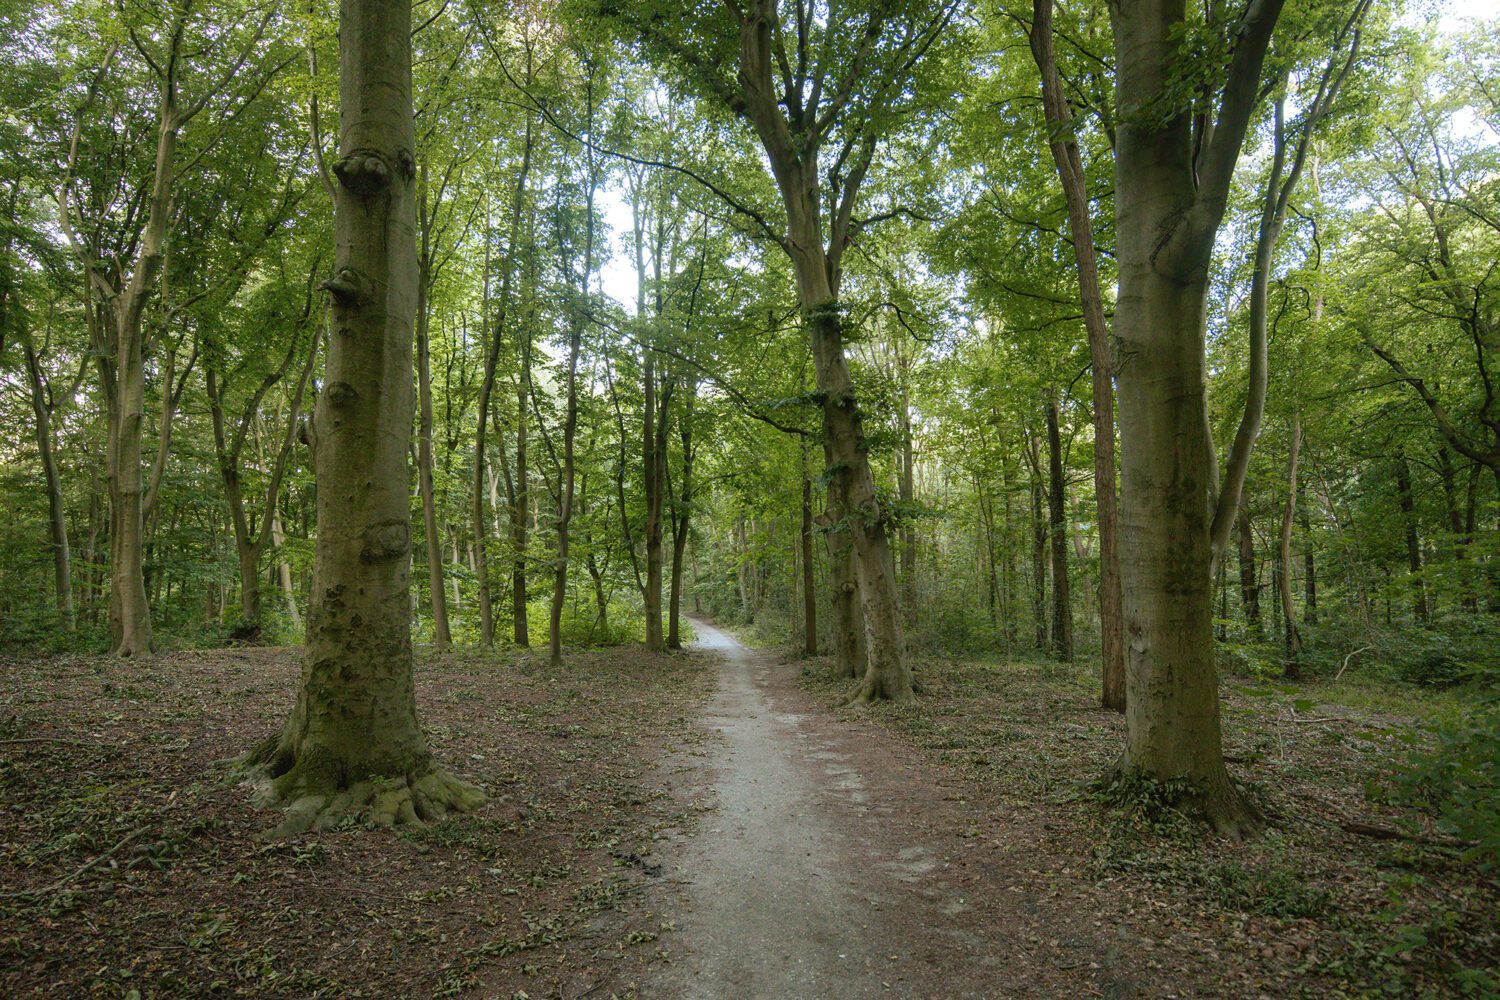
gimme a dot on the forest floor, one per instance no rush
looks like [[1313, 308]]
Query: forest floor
[[710, 824], [1094, 899], [130, 864]]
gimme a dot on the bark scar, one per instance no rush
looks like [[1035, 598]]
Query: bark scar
[[384, 541]]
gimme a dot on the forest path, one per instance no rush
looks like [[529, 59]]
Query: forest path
[[803, 879]]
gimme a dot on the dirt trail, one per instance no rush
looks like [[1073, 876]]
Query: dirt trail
[[777, 906], [822, 869]]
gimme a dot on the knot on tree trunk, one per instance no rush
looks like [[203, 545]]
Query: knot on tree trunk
[[341, 394], [348, 287], [384, 541], [364, 172]]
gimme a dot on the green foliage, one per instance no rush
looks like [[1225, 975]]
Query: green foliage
[[1456, 777], [1141, 800], [1272, 891]]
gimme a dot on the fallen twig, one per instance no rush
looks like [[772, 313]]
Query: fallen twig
[[1391, 833], [1362, 649], [47, 890], [53, 739]]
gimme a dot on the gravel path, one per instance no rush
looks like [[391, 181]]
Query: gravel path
[[781, 902]]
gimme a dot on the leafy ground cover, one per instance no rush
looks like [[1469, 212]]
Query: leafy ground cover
[[1348, 893], [131, 865]]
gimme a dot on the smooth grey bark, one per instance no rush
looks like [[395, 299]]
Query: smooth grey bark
[[353, 738], [1173, 170]]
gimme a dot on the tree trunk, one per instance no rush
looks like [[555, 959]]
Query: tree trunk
[[577, 322], [848, 623], [1057, 502], [436, 593], [480, 559], [520, 513], [809, 585], [1038, 546], [653, 428], [682, 521], [486, 389], [353, 737], [1249, 574], [130, 614], [907, 492], [1293, 639], [815, 257], [1165, 553], [1413, 541], [57, 516], [1173, 172], [887, 674], [1065, 157]]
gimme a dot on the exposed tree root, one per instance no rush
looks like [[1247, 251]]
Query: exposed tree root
[[1229, 813], [1218, 804], [131, 649], [872, 690], [316, 799]]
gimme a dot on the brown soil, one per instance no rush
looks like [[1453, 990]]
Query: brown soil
[[129, 858], [770, 844], [839, 861]]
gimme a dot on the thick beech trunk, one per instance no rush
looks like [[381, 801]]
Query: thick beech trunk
[[887, 676], [848, 622], [129, 612], [1173, 703], [353, 737], [1172, 178]]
